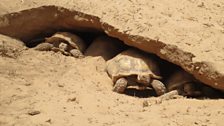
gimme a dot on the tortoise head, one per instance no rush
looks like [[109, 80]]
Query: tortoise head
[[144, 79], [191, 90], [63, 46]]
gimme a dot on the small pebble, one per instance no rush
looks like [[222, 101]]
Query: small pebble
[[49, 121], [27, 84], [60, 85], [33, 112], [71, 99], [145, 104]]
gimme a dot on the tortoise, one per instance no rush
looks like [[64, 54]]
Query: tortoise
[[104, 46], [134, 68], [67, 43], [184, 83], [187, 85]]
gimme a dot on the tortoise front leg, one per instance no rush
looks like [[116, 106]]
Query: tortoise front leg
[[159, 87], [76, 53], [120, 85]]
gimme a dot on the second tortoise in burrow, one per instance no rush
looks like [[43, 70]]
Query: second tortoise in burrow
[[187, 85], [67, 43], [134, 68], [183, 82]]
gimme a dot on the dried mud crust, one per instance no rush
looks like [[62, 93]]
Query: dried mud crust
[[191, 42]]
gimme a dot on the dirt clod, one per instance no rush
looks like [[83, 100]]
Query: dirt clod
[[33, 112]]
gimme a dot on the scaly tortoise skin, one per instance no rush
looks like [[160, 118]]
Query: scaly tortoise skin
[[134, 68], [64, 42]]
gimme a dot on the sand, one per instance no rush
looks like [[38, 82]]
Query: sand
[[47, 88]]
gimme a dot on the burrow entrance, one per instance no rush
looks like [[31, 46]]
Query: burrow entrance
[[34, 30], [167, 69]]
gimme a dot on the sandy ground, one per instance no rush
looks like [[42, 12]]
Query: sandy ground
[[53, 89]]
